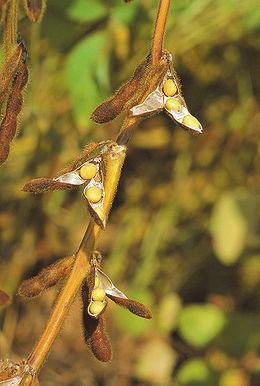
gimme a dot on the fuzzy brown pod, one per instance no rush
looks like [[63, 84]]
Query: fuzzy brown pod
[[4, 298], [60, 182], [34, 9], [41, 185], [94, 329], [167, 96], [68, 178], [144, 80], [98, 169], [105, 287], [9, 69], [9, 122], [133, 306], [47, 278]]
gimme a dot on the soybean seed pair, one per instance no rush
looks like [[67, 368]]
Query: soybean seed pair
[[87, 172]]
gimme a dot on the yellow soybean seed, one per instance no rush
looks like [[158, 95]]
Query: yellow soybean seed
[[88, 171], [96, 307], [191, 121], [169, 87], [93, 194], [173, 104], [98, 295], [97, 281]]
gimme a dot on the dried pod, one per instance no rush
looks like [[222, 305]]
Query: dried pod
[[167, 95], [35, 9], [133, 306], [112, 107], [68, 178], [94, 331], [145, 79], [9, 69], [14, 105], [101, 189], [96, 338], [107, 285], [98, 168], [119, 297], [41, 185], [4, 298], [47, 278]]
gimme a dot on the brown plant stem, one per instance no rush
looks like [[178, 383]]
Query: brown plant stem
[[159, 30], [80, 270]]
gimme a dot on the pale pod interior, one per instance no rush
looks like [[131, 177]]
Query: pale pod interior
[[175, 105], [103, 285]]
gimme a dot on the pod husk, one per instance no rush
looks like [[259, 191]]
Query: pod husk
[[14, 104], [8, 71], [133, 306], [41, 185], [94, 328], [144, 80], [47, 278]]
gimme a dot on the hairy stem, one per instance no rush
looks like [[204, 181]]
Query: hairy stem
[[159, 30]]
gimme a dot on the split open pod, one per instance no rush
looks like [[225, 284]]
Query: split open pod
[[153, 88], [96, 292], [98, 170]]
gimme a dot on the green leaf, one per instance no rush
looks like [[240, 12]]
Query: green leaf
[[196, 372], [228, 228], [200, 324], [126, 13], [83, 76], [86, 10]]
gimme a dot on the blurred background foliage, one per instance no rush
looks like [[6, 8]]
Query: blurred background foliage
[[183, 234]]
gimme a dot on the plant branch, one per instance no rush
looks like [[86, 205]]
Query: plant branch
[[159, 30], [81, 267]]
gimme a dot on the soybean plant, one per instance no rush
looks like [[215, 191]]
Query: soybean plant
[[153, 88]]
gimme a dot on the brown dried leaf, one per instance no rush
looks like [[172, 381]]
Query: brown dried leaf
[[133, 306]]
